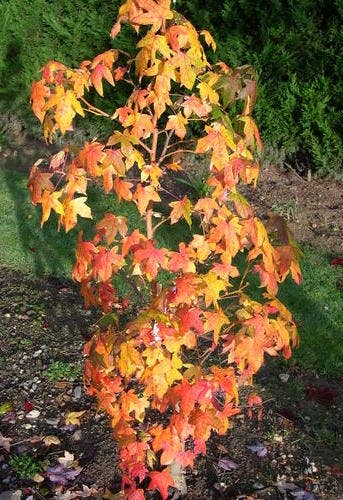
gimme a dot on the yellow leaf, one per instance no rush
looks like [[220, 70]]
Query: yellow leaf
[[177, 123], [209, 39], [182, 208], [5, 407], [73, 208], [50, 201], [130, 360], [213, 288], [49, 440], [207, 93], [73, 417]]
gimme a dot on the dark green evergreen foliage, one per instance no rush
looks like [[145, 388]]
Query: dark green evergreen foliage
[[36, 31], [294, 45], [296, 49]]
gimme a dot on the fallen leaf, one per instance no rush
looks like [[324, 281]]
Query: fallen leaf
[[33, 414], [49, 440], [61, 475], [337, 262], [67, 460], [73, 417], [38, 478], [303, 495], [9, 416], [5, 442], [28, 406], [227, 464], [5, 407], [254, 401], [258, 448], [322, 394]]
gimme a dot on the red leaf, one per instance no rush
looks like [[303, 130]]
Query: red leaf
[[322, 394], [161, 481], [28, 406], [337, 262], [254, 401]]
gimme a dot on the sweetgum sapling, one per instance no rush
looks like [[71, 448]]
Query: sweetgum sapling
[[158, 375]]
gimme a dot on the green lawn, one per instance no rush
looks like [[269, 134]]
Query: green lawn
[[316, 303]]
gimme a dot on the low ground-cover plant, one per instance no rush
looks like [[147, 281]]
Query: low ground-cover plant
[[60, 370], [167, 371], [25, 466]]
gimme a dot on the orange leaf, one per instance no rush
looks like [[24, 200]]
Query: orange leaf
[[177, 123], [156, 13], [101, 71], [143, 196], [38, 182], [90, 156], [122, 189], [84, 256], [39, 94], [150, 259], [73, 208], [106, 263], [254, 400], [161, 482], [193, 104], [181, 208], [50, 201], [183, 260], [110, 225]]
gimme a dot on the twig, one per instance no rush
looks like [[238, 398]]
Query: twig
[[160, 224], [177, 151], [295, 172], [133, 286], [165, 147]]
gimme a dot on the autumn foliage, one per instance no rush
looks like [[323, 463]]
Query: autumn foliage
[[167, 371]]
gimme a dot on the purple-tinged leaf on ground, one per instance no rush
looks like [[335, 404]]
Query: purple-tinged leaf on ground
[[21, 448], [227, 464], [258, 448], [10, 416], [61, 475], [68, 427], [295, 491], [283, 486], [302, 495]]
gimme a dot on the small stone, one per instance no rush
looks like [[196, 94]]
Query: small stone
[[27, 426], [53, 421], [77, 435], [7, 315], [77, 392], [37, 353], [284, 377], [258, 486], [33, 414], [10, 495], [278, 438]]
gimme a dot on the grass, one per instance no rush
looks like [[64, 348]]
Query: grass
[[316, 303]]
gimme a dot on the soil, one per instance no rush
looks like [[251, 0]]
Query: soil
[[298, 443], [43, 321]]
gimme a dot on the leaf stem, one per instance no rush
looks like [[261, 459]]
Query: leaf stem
[[94, 110], [162, 158]]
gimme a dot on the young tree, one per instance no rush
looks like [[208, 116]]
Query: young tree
[[170, 375]]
